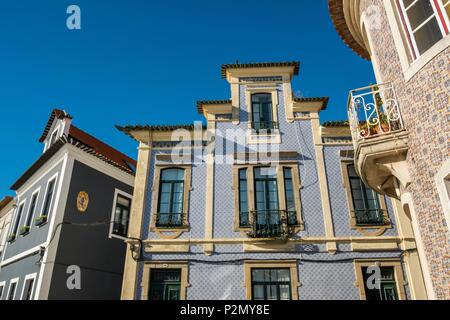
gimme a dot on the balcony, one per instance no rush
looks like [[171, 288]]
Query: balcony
[[169, 220], [264, 126], [272, 224], [380, 138], [371, 217]]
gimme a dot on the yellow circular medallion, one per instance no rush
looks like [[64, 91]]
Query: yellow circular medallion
[[82, 201]]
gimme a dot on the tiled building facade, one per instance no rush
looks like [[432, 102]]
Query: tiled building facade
[[408, 43], [210, 221]]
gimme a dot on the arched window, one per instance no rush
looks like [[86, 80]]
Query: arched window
[[262, 112], [170, 204]]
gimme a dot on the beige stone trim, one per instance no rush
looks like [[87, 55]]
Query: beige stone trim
[[409, 209], [415, 276], [233, 75], [288, 264], [241, 241], [148, 267], [375, 246], [209, 197], [366, 230], [135, 224], [281, 192], [270, 247], [171, 233], [322, 176], [164, 248], [399, 279]]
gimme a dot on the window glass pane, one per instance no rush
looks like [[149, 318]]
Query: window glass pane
[[12, 291], [271, 292], [18, 218], [265, 173], [258, 275], [165, 284], [258, 292], [284, 275], [428, 35], [123, 201], [285, 292], [172, 174], [48, 198], [419, 12], [164, 208], [28, 289], [387, 288]]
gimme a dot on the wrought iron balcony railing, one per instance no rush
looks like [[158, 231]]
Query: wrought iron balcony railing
[[275, 224], [373, 111], [371, 217], [264, 126], [170, 220]]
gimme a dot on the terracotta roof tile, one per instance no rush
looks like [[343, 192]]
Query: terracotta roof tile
[[200, 104], [102, 148], [5, 201], [324, 100], [337, 16]]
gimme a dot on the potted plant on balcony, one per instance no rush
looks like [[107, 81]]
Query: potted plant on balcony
[[366, 130], [11, 237], [24, 230], [384, 124], [40, 220]]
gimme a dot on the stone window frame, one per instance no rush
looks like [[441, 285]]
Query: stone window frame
[[149, 266], [409, 65], [441, 180], [171, 233], [292, 265], [252, 136], [281, 192], [382, 262], [365, 230]]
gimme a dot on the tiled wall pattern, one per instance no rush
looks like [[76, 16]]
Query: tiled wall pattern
[[424, 102]]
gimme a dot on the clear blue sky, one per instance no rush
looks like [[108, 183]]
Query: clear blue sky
[[141, 61]]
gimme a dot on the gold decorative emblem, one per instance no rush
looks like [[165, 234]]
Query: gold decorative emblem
[[82, 201]]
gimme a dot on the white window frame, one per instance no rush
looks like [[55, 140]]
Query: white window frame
[[31, 276], [2, 292], [410, 31], [16, 215], [409, 65], [118, 192], [49, 143], [16, 281], [55, 178], [37, 193]]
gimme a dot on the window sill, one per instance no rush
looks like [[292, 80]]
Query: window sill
[[255, 138], [414, 67]]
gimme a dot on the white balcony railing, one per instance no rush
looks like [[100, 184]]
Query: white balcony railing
[[373, 111]]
